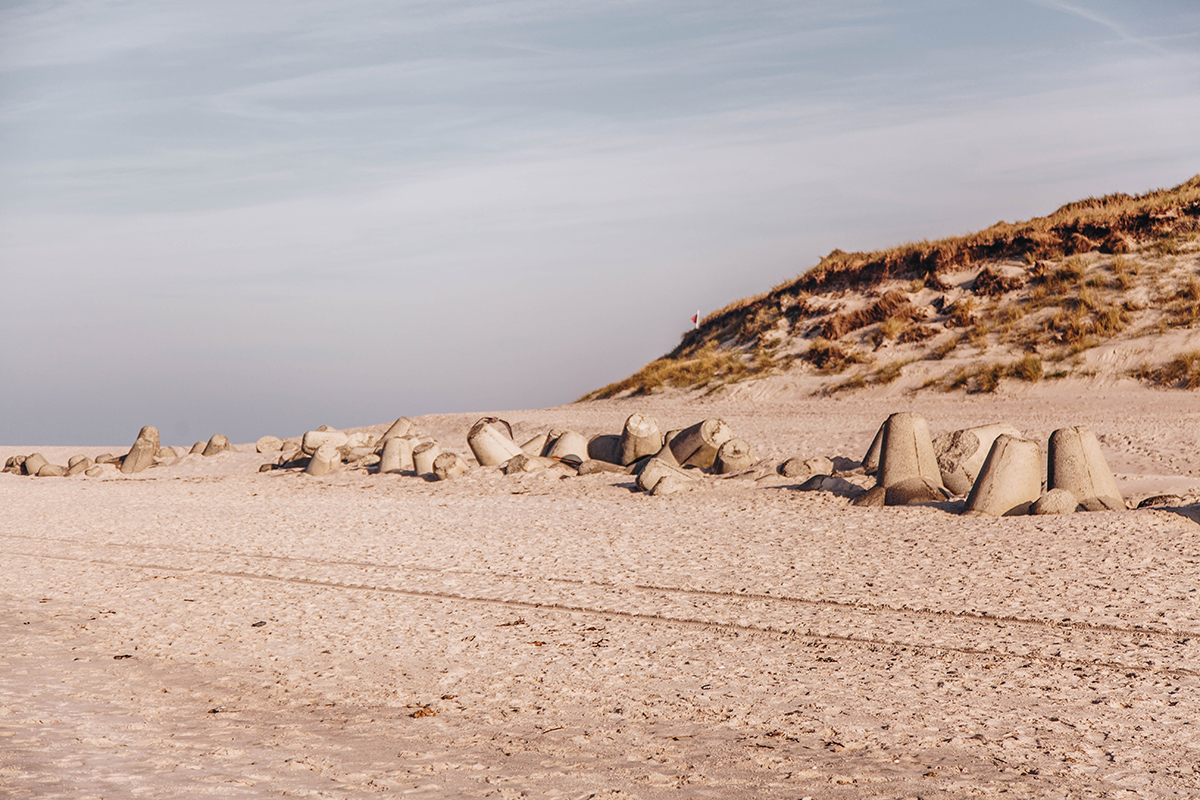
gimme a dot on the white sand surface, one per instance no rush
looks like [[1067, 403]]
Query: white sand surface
[[204, 629]]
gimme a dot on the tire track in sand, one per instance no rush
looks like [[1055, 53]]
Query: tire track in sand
[[1132, 651]]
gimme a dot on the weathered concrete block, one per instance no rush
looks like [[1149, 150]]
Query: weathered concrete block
[[870, 462], [106, 458], [907, 450], [592, 466], [401, 427], [669, 484], [960, 454], [655, 469], [1010, 481], [1055, 501], [79, 464], [697, 445], [397, 455], [198, 448], [361, 439], [141, 455], [570, 445], [15, 465], [490, 440], [96, 471], [524, 462], [268, 444], [424, 455], [325, 460], [640, 437], [314, 439], [219, 443], [793, 468], [537, 445], [448, 465], [51, 471], [33, 463], [605, 447], [1077, 464], [733, 456]]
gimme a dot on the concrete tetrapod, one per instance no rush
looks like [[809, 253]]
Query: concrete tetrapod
[[490, 440], [733, 456], [401, 427], [424, 455], [569, 445], [537, 445], [324, 461], [268, 444], [314, 439], [33, 463], [197, 448], [657, 468], [141, 455], [219, 443], [605, 447], [960, 454], [907, 450], [697, 445], [78, 464], [396, 455], [640, 437], [448, 465], [1077, 465], [1010, 481]]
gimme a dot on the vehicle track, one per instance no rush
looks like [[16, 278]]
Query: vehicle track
[[1129, 650], [1074, 625]]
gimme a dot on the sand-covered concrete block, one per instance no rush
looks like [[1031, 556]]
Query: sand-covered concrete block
[[142, 454], [219, 443], [697, 445], [640, 437], [268, 444], [490, 440], [1010, 481], [733, 456], [1077, 464], [960, 454], [424, 455], [325, 460], [448, 465], [907, 450]]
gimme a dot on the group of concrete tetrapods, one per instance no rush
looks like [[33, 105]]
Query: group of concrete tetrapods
[[998, 470]]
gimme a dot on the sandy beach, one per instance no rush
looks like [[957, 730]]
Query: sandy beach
[[204, 629]]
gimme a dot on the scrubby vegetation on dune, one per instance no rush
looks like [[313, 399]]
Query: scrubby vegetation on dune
[[1039, 291]]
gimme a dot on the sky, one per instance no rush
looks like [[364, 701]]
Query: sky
[[259, 218]]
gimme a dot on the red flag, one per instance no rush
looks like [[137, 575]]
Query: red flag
[[696, 318]]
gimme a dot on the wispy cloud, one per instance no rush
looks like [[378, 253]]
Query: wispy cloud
[[1122, 31]]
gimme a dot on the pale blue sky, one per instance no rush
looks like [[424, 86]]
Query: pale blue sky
[[256, 218]]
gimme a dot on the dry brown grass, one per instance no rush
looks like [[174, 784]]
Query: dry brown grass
[[1182, 372], [829, 357]]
